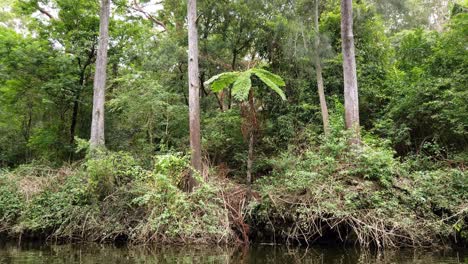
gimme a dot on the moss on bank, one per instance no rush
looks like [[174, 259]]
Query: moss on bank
[[326, 190]]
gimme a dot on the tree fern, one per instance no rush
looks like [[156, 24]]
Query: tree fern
[[243, 84], [241, 90]]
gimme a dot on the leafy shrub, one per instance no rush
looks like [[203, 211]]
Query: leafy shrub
[[11, 201], [334, 156], [173, 166], [174, 215], [222, 136], [54, 205], [332, 188], [375, 164], [108, 170]]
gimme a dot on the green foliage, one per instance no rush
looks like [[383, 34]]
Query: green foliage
[[48, 201], [412, 94], [222, 137], [243, 83], [375, 164], [11, 201], [25, 98], [334, 188], [148, 207], [271, 80], [335, 157], [109, 170], [155, 122], [428, 101], [177, 215], [241, 87], [223, 80], [242, 91], [81, 145], [172, 166]]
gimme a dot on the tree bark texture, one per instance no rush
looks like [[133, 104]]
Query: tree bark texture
[[349, 68], [194, 90], [318, 71], [97, 124]]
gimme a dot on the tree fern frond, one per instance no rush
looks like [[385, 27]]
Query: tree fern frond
[[242, 85], [276, 79], [272, 83], [221, 81]]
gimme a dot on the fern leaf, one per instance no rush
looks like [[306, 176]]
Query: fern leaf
[[242, 85], [276, 79], [271, 83], [221, 81]]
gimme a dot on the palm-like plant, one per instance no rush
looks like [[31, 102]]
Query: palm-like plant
[[242, 91]]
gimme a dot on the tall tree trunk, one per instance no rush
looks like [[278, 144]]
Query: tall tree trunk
[[76, 106], [318, 71], [349, 69], [97, 124], [194, 91], [252, 122], [77, 94]]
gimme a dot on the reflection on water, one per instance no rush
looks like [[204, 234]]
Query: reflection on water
[[105, 254]]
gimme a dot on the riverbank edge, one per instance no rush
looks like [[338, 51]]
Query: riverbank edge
[[113, 199]]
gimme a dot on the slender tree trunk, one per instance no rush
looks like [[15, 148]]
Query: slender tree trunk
[[233, 67], [76, 106], [194, 90], [250, 158], [74, 120], [252, 127], [97, 124], [318, 71], [77, 94], [27, 130], [349, 69]]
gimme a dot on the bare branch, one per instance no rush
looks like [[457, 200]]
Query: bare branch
[[44, 12], [136, 6]]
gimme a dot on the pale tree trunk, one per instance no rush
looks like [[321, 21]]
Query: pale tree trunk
[[318, 71], [349, 69], [97, 124], [194, 90]]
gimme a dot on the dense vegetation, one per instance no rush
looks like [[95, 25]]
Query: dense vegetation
[[272, 168]]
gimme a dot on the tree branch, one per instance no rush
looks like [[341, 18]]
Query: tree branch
[[138, 8], [44, 12]]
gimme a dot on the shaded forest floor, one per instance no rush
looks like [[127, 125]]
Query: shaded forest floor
[[327, 192]]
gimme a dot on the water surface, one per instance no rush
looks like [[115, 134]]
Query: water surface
[[106, 254]]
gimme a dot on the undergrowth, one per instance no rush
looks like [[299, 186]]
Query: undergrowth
[[112, 198], [330, 190], [323, 189]]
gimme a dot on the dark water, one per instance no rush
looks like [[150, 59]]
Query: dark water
[[58, 254]]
